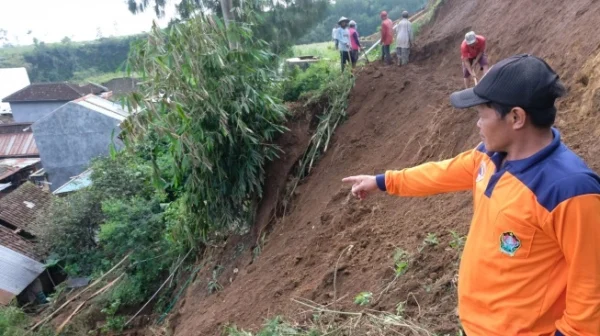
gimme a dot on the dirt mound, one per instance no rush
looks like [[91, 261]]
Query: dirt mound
[[398, 118]]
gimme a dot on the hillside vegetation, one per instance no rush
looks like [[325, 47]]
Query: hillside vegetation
[[69, 61]]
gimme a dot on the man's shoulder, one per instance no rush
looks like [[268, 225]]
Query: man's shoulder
[[563, 176]]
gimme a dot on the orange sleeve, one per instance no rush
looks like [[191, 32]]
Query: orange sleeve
[[434, 177], [576, 223]]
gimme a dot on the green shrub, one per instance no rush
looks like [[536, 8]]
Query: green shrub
[[14, 322], [314, 78], [206, 93]]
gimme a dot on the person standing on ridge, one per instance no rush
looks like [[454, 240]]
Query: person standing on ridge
[[386, 38], [354, 43], [472, 51], [334, 35], [404, 39], [531, 261], [343, 37]]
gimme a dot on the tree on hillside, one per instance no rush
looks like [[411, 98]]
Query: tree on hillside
[[282, 22], [67, 60], [3, 36]]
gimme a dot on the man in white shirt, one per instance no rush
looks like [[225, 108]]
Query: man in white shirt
[[404, 39], [334, 34]]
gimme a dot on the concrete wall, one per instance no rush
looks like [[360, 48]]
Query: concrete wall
[[70, 138], [33, 111]]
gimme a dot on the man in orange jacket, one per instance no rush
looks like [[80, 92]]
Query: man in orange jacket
[[531, 262], [387, 38]]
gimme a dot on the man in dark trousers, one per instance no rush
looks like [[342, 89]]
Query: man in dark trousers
[[354, 43], [531, 262], [343, 37], [387, 37]]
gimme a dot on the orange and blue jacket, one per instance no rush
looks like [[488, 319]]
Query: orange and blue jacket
[[531, 262]]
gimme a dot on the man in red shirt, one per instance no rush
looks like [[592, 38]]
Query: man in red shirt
[[386, 38], [472, 51]]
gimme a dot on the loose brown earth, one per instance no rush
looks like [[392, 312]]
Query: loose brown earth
[[398, 117]]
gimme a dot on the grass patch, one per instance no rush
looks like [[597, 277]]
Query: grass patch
[[323, 50]]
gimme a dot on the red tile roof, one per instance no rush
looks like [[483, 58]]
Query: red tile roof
[[17, 243], [23, 205], [53, 92]]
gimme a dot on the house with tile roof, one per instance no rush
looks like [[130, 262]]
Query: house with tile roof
[[69, 138], [121, 86], [19, 261], [37, 100]]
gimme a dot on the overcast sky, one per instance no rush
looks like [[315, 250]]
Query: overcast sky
[[80, 20]]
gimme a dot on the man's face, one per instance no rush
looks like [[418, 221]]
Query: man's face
[[343, 24], [495, 131]]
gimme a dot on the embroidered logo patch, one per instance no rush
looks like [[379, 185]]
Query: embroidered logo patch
[[480, 172], [509, 243]]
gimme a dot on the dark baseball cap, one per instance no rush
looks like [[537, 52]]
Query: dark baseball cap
[[523, 81]]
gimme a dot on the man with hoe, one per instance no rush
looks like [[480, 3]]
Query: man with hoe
[[386, 38], [472, 51], [531, 261], [404, 39], [354, 43]]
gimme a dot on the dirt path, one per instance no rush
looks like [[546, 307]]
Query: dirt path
[[398, 118]]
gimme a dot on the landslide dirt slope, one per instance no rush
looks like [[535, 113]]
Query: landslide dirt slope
[[399, 118]]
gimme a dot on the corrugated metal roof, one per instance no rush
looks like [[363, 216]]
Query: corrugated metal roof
[[78, 182], [103, 106], [18, 145], [18, 271], [9, 167]]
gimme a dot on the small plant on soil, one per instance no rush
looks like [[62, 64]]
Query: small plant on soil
[[457, 241], [400, 308], [431, 239], [363, 298], [213, 284], [400, 262], [258, 249]]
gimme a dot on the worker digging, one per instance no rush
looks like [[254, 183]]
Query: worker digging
[[472, 52]]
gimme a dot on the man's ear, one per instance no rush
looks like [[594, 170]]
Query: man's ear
[[517, 118]]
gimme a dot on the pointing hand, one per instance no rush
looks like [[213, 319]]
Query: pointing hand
[[362, 185]]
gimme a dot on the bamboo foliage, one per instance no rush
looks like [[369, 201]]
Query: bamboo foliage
[[211, 105]]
